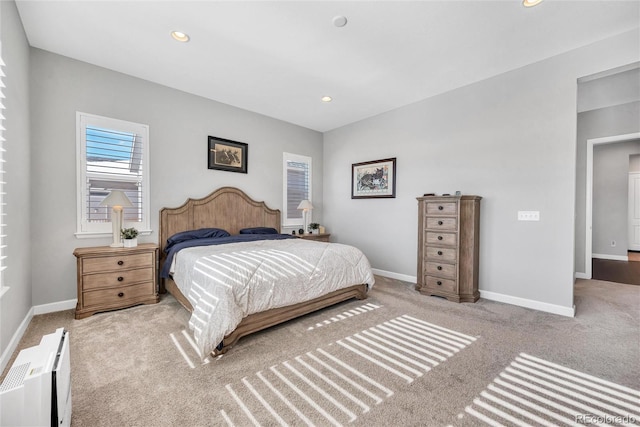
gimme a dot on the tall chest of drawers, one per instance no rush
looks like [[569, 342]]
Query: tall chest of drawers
[[113, 278], [448, 247]]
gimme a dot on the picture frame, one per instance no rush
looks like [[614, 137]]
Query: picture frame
[[227, 155], [374, 179]]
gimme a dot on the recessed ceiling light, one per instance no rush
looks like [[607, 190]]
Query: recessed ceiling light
[[340, 21], [530, 3], [180, 36], [326, 99]]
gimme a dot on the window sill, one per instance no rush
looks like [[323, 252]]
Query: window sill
[[94, 234]]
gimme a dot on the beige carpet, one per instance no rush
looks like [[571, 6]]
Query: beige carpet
[[397, 358]]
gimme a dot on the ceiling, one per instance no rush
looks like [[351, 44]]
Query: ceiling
[[280, 58]]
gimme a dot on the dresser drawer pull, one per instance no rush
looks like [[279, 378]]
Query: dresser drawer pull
[[120, 262], [439, 252], [121, 294], [439, 283], [439, 237], [120, 279], [440, 222], [439, 267], [440, 207]]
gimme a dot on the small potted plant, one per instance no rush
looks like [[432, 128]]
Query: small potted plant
[[129, 237], [314, 227]]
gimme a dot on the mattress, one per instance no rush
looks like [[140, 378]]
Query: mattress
[[225, 283]]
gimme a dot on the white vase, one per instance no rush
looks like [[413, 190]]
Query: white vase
[[130, 243]]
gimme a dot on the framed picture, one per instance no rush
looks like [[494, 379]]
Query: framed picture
[[373, 179], [227, 155]]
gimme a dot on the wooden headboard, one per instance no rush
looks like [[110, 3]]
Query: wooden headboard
[[227, 208]]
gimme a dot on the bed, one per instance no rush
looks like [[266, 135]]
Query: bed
[[232, 210]]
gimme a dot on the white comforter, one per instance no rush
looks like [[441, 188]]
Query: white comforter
[[226, 283]]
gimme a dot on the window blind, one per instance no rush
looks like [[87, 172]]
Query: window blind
[[2, 171], [297, 187], [114, 162]]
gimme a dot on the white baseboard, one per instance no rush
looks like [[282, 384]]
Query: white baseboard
[[37, 309], [397, 276], [15, 340], [581, 276], [528, 303], [611, 257], [55, 306], [493, 296]]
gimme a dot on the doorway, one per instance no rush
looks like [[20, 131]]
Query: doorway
[[618, 266]]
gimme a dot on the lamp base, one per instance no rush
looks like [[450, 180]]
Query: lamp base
[[116, 245]]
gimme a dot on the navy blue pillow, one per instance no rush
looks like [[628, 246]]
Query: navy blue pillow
[[196, 234], [259, 230]]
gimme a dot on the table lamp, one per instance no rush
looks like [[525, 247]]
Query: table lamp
[[117, 200], [306, 206]]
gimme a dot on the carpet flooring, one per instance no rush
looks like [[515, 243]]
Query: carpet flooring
[[397, 358]]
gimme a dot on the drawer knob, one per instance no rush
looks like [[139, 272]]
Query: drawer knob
[[439, 283], [439, 252], [439, 267], [120, 279], [440, 208], [440, 223], [121, 294], [439, 237], [120, 262]]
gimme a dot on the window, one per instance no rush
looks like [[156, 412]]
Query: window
[[296, 187], [112, 155], [3, 288]]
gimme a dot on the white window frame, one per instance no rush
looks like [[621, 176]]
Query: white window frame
[[286, 221], [85, 228]]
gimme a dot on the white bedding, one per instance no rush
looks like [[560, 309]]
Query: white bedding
[[226, 283]]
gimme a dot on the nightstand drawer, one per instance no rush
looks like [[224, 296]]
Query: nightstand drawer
[[117, 278], [118, 262], [440, 284], [441, 269], [118, 296], [444, 208]]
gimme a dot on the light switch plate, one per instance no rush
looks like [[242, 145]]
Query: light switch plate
[[528, 215]]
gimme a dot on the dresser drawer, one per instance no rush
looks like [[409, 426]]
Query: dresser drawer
[[442, 254], [441, 269], [435, 223], [118, 296], [440, 284], [117, 262], [117, 278], [444, 208], [448, 239]]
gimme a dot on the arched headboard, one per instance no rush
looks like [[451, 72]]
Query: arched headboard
[[228, 208]]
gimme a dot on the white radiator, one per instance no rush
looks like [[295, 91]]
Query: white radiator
[[37, 388]]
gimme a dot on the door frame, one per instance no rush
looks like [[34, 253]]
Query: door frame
[[630, 212], [588, 244]]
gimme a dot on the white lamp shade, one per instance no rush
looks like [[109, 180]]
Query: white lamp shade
[[305, 204], [116, 198]]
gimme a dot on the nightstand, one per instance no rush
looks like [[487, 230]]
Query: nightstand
[[112, 278], [324, 237]]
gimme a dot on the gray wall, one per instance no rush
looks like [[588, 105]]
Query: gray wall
[[611, 197], [16, 303], [178, 125], [510, 139], [634, 163]]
